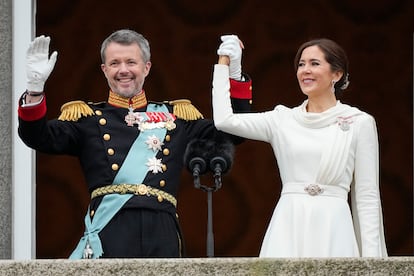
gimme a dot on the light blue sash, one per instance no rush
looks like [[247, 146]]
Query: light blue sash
[[132, 171]]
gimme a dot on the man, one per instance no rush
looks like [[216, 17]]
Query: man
[[131, 150]]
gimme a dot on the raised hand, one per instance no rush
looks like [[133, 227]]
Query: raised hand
[[38, 64], [232, 46]]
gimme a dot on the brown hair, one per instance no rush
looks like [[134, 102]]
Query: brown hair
[[334, 55]]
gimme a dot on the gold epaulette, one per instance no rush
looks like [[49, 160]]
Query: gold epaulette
[[185, 110], [73, 111]]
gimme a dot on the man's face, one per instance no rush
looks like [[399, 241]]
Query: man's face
[[125, 69]]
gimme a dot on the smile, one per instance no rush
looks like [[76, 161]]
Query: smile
[[124, 80], [307, 81]]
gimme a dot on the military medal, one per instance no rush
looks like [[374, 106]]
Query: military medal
[[87, 252], [150, 120], [154, 143]]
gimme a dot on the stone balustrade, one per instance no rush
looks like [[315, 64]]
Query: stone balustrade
[[211, 266]]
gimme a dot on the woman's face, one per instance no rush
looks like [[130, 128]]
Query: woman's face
[[314, 73]]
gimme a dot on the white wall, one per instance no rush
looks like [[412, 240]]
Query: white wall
[[23, 202]]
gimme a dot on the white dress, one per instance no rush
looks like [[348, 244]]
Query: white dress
[[322, 157]]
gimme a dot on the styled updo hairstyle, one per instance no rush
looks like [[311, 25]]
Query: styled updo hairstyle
[[334, 55]]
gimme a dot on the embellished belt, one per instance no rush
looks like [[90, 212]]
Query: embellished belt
[[315, 190], [136, 189]]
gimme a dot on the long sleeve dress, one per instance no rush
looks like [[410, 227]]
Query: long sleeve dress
[[322, 158]]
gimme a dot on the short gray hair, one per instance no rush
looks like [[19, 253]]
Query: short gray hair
[[127, 37]]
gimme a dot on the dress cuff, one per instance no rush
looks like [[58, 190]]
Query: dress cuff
[[34, 112], [241, 89]]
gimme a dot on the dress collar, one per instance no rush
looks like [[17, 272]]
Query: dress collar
[[135, 102], [325, 118]]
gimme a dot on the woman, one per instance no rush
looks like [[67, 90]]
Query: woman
[[325, 150]]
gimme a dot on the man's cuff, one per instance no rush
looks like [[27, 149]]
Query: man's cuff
[[32, 113], [241, 89]]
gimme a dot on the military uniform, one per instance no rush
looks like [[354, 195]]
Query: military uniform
[[132, 212]]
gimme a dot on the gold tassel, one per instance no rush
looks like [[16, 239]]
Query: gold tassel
[[183, 109], [73, 111]]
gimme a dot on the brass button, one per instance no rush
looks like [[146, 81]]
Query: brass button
[[250, 88], [162, 183], [115, 167], [167, 138], [102, 121], [98, 112], [92, 213], [107, 137], [164, 167], [160, 199], [111, 151], [166, 151]]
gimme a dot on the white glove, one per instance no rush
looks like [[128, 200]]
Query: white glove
[[38, 64], [232, 47]]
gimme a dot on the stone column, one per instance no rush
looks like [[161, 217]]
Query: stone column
[[5, 128]]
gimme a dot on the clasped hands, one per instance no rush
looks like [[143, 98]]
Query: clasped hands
[[230, 53]]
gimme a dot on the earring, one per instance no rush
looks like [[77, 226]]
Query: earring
[[333, 86]]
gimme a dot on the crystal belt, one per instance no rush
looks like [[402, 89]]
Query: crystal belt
[[314, 189], [136, 189]]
